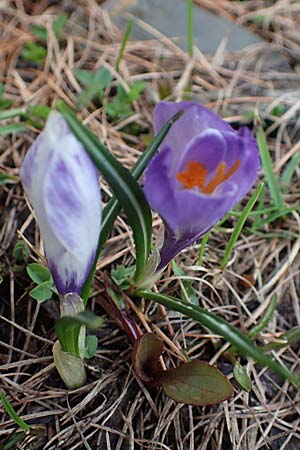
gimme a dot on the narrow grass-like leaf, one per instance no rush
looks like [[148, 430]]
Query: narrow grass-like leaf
[[239, 225], [289, 171], [290, 337], [124, 42], [12, 128], [268, 168], [190, 26], [7, 179], [113, 207], [10, 113], [265, 319], [275, 215], [204, 241], [123, 184], [12, 413], [220, 326]]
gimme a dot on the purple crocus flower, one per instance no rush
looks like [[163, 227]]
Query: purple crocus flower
[[202, 170], [63, 188]]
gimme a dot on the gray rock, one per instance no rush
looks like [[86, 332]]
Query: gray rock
[[169, 17]]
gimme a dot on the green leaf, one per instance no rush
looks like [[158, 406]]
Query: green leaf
[[1, 279], [12, 413], [112, 209], [59, 24], [240, 223], [12, 128], [5, 103], [124, 42], [275, 215], [40, 111], [241, 376], [220, 326], [10, 113], [40, 32], [42, 292], [68, 328], [38, 273], [91, 345], [290, 337], [268, 168], [123, 184], [196, 383], [7, 179], [120, 106], [16, 437], [265, 319], [95, 84], [34, 52], [135, 90], [21, 251], [204, 241], [289, 171], [122, 276]]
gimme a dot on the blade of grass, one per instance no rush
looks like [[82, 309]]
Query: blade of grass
[[268, 168], [10, 113], [12, 413], [275, 215], [112, 209], [204, 241], [265, 319], [124, 42], [12, 128], [220, 326], [240, 223], [190, 26], [289, 171]]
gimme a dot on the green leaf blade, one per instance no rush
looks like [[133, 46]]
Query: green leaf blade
[[268, 168], [240, 223], [12, 413]]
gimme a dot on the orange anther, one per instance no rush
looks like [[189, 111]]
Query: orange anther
[[196, 173]]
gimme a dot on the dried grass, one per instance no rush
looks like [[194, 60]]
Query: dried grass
[[114, 410]]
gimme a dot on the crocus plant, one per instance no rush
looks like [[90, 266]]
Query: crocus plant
[[202, 170]]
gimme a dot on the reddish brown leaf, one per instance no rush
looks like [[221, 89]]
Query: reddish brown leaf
[[196, 383], [145, 357]]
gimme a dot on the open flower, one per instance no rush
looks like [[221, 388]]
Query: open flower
[[63, 188], [202, 170]]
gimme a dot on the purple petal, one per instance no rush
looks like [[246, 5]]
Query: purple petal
[[62, 185], [158, 186], [208, 148], [194, 121]]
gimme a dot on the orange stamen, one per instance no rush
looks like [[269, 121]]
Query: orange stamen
[[196, 173]]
